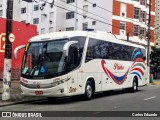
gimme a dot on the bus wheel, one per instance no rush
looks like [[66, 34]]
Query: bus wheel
[[88, 90], [134, 85]]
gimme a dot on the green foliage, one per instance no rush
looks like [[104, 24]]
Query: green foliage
[[155, 57]]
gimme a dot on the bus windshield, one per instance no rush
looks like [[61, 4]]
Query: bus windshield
[[44, 59]]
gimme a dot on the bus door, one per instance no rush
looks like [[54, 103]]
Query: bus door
[[72, 67]]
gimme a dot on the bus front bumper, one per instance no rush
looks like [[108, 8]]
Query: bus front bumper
[[58, 91]]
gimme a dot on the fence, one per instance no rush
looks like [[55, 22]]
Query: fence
[[15, 73]]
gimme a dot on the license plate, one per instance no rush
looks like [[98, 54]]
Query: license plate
[[38, 92]]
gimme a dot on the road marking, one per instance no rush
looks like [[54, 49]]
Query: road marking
[[96, 112], [150, 98]]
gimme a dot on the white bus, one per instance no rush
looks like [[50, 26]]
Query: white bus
[[80, 63]]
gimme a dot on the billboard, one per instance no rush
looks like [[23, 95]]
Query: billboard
[[22, 33]]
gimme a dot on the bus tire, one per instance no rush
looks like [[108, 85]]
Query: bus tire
[[89, 91], [134, 85]]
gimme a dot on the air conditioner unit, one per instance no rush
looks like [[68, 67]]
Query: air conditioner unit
[[41, 7], [123, 14], [84, 16], [51, 21], [141, 36], [0, 5], [122, 32], [51, 5]]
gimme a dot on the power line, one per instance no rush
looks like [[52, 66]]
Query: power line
[[112, 12], [87, 11], [99, 6], [87, 16], [97, 16]]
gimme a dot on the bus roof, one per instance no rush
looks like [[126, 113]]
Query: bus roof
[[67, 34]]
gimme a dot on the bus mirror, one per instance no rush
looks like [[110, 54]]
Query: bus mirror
[[16, 50], [66, 47]]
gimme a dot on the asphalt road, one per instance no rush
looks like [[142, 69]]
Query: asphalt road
[[146, 99]]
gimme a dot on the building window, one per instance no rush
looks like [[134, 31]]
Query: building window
[[143, 2], [123, 9], [51, 15], [136, 0], [36, 7], [142, 16], [36, 21], [85, 10], [42, 30], [135, 30], [136, 13], [1, 13], [142, 32], [23, 10], [85, 26], [69, 15], [70, 29], [70, 1], [93, 22], [51, 29], [43, 16], [122, 25]]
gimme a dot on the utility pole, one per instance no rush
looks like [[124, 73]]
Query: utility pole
[[148, 39], [8, 53], [76, 20]]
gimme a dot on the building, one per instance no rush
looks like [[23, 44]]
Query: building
[[132, 17], [22, 33], [157, 24], [121, 17]]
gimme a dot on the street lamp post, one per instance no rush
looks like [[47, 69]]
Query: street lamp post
[[148, 40], [8, 53], [149, 35]]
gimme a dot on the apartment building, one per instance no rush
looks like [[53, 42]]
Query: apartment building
[[157, 24], [132, 17], [121, 17]]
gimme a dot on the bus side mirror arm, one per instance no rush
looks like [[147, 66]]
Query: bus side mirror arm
[[66, 47], [16, 50]]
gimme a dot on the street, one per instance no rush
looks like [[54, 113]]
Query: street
[[146, 99]]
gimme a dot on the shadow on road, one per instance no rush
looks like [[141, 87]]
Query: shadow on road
[[75, 99]]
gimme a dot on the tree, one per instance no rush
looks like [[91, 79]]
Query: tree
[[155, 61]]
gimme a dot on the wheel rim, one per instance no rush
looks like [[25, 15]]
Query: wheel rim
[[134, 86], [89, 91]]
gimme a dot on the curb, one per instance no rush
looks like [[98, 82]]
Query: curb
[[20, 102], [156, 83]]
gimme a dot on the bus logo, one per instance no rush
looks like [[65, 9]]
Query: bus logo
[[118, 66], [38, 85]]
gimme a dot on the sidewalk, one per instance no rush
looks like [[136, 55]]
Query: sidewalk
[[156, 82], [16, 97]]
